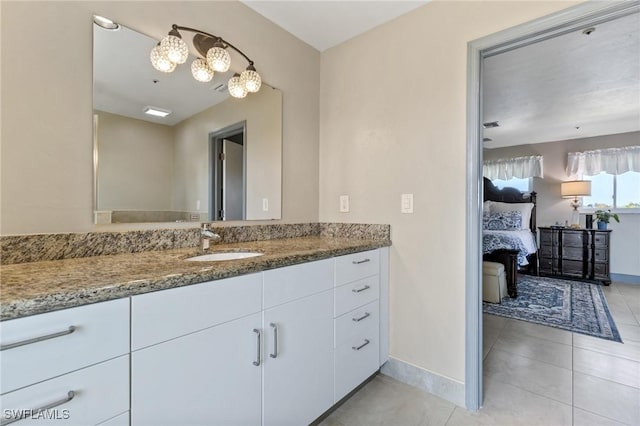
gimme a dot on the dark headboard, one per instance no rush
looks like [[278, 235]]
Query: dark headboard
[[511, 195]]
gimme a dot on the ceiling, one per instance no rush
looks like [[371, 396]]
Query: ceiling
[[568, 87], [324, 24]]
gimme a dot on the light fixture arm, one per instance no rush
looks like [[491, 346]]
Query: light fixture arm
[[220, 39]]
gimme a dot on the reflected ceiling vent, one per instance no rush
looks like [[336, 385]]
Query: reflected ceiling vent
[[220, 87], [155, 111], [491, 124], [486, 139]]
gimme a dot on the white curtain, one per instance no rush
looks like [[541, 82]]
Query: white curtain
[[520, 167], [614, 161]]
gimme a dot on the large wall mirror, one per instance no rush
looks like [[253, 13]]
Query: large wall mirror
[[213, 157]]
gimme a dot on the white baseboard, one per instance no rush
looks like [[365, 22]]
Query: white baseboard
[[444, 387]]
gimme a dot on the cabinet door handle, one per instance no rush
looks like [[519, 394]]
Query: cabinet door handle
[[358, 290], [275, 340], [28, 413], [357, 348], [366, 315], [258, 360], [69, 330], [358, 262]]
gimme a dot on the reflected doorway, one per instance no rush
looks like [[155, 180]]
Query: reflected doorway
[[226, 173]]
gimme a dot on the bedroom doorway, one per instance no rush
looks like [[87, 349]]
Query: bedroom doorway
[[576, 18]]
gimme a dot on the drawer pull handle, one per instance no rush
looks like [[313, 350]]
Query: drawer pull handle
[[357, 348], [28, 413], [358, 290], [359, 262], [70, 330], [258, 360], [275, 340], [366, 315]]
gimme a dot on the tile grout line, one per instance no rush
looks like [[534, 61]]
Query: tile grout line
[[534, 359]]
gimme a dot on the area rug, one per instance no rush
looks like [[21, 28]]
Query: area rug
[[570, 305]]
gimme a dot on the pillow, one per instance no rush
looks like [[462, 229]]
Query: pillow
[[523, 208], [505, 221]]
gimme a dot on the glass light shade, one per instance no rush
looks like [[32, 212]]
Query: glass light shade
[[236, 88], [201, 71], [251, 80], [175, 49], [218, 59], [160, 61]]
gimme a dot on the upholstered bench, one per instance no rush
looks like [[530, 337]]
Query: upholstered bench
[[494, 282]]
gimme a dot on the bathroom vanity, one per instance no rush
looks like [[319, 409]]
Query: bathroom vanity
[[272, 340]]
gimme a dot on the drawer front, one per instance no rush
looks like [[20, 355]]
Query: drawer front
[[548, 265], [548, 237], [101, 332], [354, 362], [601, 255], [283, 285], [573, 253], [601, 270], [101, 392], [163, 315], [356, 266], [356, 294], [356, 325], [573, 268], [548, 251], [574, 238], [601, 239]]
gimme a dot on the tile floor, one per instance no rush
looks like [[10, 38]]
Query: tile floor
[[533, 375]]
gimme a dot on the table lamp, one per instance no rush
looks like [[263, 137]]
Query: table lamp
[[575, 189]]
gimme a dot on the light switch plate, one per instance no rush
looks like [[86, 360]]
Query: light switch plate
[[344, 204], [406, 203]]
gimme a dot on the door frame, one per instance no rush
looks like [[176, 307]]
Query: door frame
[[215, 171], [572, 19]]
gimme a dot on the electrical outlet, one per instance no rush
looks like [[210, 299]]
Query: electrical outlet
[[344, 204], [406, 203]]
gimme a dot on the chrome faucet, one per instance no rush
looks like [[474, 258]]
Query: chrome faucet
[[206, 236]]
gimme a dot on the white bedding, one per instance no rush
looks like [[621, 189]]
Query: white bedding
[[525, 235]]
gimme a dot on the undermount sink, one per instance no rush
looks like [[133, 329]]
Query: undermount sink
[[217, 257]]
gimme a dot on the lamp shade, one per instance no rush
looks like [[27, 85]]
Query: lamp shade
[[576, 188]]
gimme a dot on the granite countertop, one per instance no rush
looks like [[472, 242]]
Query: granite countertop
[[38, 287]]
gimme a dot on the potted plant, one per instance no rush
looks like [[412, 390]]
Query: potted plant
[[603, 217]]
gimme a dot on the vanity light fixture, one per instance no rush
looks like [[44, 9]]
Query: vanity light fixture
[[105, 23], [172, 50], [155, 111]]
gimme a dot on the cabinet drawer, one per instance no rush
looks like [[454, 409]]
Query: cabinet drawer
[[163, 315], [283, 285], [100, 393], [356, 266], [548, 265], [356, 294], [101, 332], [354, 362], [600, 255], [548, 251], [356, 325], [574, 238], [601, 270], [548, 237], [573, 253], [601, 239], [572, 267]]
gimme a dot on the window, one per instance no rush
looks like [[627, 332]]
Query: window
[[613, 191], [523, 185]]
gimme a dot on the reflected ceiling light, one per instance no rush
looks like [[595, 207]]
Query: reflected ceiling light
[[105, 23], [172, 50], [155, 111]]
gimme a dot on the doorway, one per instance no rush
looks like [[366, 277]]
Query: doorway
[[227, 182], [569, 20]]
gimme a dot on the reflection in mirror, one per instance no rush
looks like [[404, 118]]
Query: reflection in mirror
[[213, 157]]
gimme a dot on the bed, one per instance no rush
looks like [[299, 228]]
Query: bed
[[509, 231]]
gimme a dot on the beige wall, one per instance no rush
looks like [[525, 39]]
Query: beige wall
[[392, 121], [552, 208], [263, 117], [124, 181], [46, 136]]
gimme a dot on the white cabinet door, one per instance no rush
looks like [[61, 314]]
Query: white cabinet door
[[298, 373], [204, 378]]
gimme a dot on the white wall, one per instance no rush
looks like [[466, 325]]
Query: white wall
[[392, 121], [46, 135], [552, 208], [125, 182]]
